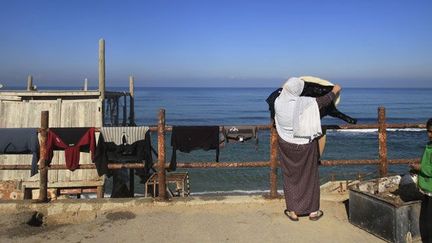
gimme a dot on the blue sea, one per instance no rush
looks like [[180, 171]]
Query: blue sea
[[247, 106]]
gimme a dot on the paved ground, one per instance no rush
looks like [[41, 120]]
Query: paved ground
[[231, 219]]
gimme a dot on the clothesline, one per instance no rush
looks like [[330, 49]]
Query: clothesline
[[72, 140], [272, 163], [154, 128]]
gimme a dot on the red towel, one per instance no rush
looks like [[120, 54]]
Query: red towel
[[72, 141]]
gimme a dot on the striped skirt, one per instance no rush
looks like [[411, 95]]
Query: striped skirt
[[299, 164]]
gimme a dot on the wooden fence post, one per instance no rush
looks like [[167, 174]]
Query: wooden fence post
[[131, 101], [382, 140], [100, 192], [101, 73], [102, 68], [161, 155], [124, 123], [43, 170], [273, 162], [29, 83]]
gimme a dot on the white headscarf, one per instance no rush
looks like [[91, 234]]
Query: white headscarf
[[297, 118]]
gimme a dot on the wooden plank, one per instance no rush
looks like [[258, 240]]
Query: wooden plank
[[111, 94], [54, 93], [63, 113], [77, 113], [17, 115], [67, 109], [76, 183], [10, 119], [53, 175], [10, 97], [79, 100]]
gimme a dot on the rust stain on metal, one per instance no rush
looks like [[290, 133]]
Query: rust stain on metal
[[161, 155], [161, 129], [43, 170], [223, 164], [117, 166], [382, 142], [335, 127], [273, 163]]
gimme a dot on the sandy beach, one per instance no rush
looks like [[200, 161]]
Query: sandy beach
[[227, 219]]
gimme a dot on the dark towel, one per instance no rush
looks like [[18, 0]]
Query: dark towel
[[135, 150], [21, 141], [138, 152], [72, 141], [188, 138]]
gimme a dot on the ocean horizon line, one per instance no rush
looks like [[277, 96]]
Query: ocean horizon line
[[92, 88]]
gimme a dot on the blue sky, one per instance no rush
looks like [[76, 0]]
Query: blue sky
[[217, 43]]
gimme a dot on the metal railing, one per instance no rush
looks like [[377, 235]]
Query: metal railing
[[272, 163]]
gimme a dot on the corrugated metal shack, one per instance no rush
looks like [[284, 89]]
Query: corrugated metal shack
[[67, 108]]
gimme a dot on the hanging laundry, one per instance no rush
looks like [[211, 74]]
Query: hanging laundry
[[188, 138], [21, 141], [242, 134], [72, 141], [124, 145]]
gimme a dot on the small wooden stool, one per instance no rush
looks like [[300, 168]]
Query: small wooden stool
[[180, 179]]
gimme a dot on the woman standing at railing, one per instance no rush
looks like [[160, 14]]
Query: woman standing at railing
[[299, 126], [424, 170]]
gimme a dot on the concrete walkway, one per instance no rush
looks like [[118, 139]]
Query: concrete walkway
[[223, 219]]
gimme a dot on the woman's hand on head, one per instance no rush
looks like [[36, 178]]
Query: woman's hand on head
[[336, 89]]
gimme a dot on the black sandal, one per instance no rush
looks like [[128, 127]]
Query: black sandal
[[318, 215], [288, 214]]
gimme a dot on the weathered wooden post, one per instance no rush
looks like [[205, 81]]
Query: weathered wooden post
[[100, 192], [102, 68], [124, 122], [382, 139], [273, 162], [161, 155], [131, 101], [102, 79], [43, 170], [29, 83]]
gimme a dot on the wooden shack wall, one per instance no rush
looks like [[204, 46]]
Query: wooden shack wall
[[62, 113]]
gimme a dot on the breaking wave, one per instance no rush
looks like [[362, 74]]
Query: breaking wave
[[374, 130]]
